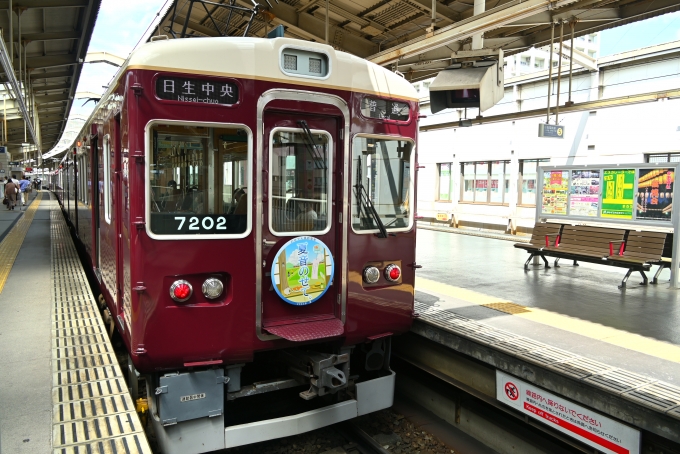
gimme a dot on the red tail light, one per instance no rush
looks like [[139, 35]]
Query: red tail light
[[180, 291], [392, 273]]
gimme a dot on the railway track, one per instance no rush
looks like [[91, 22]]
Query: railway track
[[359, 441]]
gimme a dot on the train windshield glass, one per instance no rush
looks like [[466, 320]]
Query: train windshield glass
[[381, 181], [198, 180], [300, 172]]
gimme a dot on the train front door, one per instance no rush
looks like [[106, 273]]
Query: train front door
[[300, 245]]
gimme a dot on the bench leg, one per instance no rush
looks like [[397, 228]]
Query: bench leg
[[655, 280], [526, 264], [557, 260], [576, 263], [644, 277], [547, 265], [625, 278]]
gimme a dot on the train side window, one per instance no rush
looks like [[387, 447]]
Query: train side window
[[107, 179], [300, 172], [382, 183], [198, 181]]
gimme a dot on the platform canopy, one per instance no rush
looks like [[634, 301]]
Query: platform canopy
[[46, 50], [395, 32]]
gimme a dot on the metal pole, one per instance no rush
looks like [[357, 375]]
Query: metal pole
[[571, 61], [327, 14], [552, 38], [11, 34], [4, 118], [559, 75], [433, 19]]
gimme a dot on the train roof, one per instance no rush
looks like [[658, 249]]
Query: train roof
[[259, 58]]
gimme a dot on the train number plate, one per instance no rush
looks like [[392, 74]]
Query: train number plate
[[192, 397]]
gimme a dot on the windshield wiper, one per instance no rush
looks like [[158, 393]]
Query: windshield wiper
[[362, 197], [313, 151]]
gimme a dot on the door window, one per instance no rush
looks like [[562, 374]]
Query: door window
[[300, 172], [199, 180]]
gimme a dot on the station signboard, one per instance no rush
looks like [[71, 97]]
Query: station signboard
[[583, 424], [442, 216], [552, 131]]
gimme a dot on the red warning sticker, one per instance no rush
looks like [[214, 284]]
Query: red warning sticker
[[592, 428]]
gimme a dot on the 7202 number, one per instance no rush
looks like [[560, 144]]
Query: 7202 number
[[206, 223]]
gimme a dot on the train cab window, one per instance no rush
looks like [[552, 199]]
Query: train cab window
[[382, 184], [300, 171], [199, 181]]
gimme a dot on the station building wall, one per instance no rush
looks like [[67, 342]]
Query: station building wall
[[619, 135]]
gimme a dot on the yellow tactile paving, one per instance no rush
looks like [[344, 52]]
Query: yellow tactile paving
[[9, 248], [585, 328]]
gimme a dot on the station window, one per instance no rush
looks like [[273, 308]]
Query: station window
[[527, 180], [444, 182], [662, 157], [198, 182], [381, 183], [300, 172], [485, 182]]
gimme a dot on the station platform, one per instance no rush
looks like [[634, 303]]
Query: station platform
[[569, 330], [61, 389]]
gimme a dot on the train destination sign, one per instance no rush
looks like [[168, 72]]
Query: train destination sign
[[384, 109], [583, 424], [200, 91]]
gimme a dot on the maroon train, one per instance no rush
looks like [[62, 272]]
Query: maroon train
[[247, 208]]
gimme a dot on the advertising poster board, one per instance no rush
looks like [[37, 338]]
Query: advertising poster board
[[583, 424], [617, 193], [555, 190], [584, 193], [654, 198]]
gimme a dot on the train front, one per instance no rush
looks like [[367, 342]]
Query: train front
[[272, 252]]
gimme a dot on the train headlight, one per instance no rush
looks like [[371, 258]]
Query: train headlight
[[212, 288], [181, 291], [392, 273], [371, 274]]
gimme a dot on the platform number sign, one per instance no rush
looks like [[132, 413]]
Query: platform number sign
[[199, 91]]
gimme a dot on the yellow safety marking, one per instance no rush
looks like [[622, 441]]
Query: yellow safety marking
[[620, 338], [508, 308], [9, 248]]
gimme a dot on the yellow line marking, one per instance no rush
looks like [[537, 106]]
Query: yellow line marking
[[9, 248], [620, 338]]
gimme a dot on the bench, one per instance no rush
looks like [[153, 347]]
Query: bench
[[635, 250], [538, 241]]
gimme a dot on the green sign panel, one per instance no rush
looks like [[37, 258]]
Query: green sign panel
[[617, 194]]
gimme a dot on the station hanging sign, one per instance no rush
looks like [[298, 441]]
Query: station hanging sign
[[199, 91], [585, 425], [14, 163], [552, 131], [654, 197], [302, 270], [617, 193]]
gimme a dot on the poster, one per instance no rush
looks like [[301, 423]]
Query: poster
[[617, 193], [583, 424], [654, 199], [555, 188], [584, 193]]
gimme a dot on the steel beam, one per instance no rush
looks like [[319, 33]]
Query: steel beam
[[28, 4], [51, 75], [50, 61], [491, 19], [50, 36], [576, 107]]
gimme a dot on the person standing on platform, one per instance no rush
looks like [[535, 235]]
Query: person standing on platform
[[24, 184], [11, 190]]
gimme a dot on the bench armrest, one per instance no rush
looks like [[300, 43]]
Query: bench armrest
[[621, 248], [557, 239]]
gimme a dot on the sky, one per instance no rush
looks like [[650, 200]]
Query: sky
[[118, 30]]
